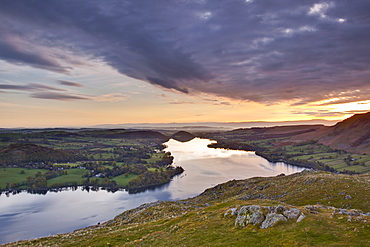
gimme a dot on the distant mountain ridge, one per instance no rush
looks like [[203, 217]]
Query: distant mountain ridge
[[210, 125]]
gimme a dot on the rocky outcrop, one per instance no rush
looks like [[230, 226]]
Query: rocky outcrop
[[292, 214], [266, 216], [251, 214], [272, 219]]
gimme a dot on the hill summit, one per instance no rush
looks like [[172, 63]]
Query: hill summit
[[183, 136], [331, 210]]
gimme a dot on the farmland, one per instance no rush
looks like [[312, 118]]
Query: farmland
[[282, 144], [54, 158]]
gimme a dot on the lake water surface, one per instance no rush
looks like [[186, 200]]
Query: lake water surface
[[25, 216]]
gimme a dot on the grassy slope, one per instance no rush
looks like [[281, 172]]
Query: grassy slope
[[200, 222]]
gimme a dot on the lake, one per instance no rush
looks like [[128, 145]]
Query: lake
[[26, 216]]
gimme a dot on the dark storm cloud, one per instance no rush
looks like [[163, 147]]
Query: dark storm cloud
[[70, 83], [264, 51], [11, 53]]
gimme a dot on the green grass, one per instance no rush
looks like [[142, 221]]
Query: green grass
[[155, 157], [68, 164], [73, 176], [122, 180], [13, 175]]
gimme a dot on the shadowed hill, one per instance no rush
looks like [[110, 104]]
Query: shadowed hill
[[18, 154], [352, 134], [122, 133], [183, 136]]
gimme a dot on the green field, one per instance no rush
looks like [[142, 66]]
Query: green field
[[155, 157], [73, 176], [68, 164], [122, 180], [13, 175]]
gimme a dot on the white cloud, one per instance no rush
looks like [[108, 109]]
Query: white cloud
[[320, 9]]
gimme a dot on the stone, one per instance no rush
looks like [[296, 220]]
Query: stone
[[256, 215], [280, 208], [301, 217], [292, 213], [241, 218], [272, 219], [251, 214], [276, 209], [348, 197], [231, 211]]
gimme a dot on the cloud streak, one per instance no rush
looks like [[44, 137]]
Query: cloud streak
[[57, 96], [70, 83], [29, 87], [261, 51], [41, 91]]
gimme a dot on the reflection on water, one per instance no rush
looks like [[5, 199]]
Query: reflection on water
[[25, 216], [206, 167]]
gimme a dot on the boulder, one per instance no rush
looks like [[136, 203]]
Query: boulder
[[256, 215], [272, 219], [276, 209], [292, 213], [241, 218], [231, 212], [251, 214], [301, 217]]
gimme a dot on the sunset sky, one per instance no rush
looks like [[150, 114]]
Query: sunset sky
[[81, 63]]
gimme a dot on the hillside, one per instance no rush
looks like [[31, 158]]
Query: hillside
[[19, 154], [352, 134], [344, 147], [334, 206], [127, 134]]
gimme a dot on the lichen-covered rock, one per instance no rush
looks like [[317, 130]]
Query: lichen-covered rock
[[242, 218], [231, 212], [301, 217], [272, 219], [256, 215], [291, 213], [276, 209], [251, 214]]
